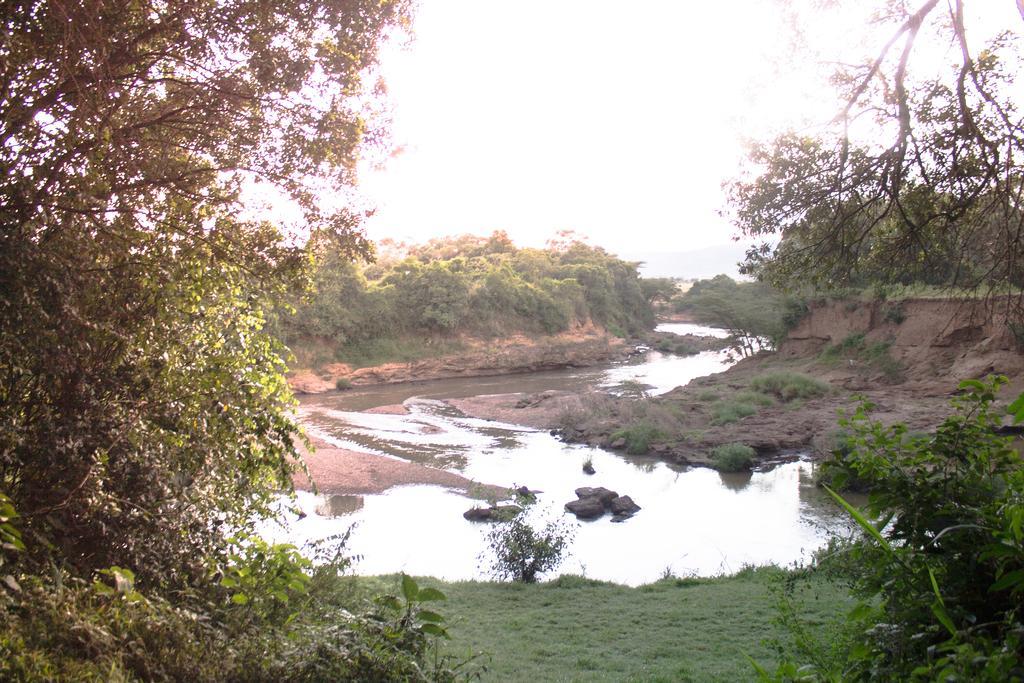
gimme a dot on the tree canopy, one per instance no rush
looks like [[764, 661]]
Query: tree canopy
[[917, 178], [142, 408]]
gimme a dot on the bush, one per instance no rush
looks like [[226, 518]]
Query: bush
[[732, 457], [522, 553], [939, 567], [639, 437], [726, 411], [789, 385], [342, 384]]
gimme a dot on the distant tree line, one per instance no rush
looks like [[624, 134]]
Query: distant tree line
[[484, 286]]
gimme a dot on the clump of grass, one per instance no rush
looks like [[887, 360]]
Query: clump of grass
[[708, 396], [732, 457], [342, 384], [727, 411], [876, 355], [789, 385], [853, 344], [639, 437]]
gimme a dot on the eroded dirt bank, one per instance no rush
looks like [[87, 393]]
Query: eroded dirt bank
[[904, 357]]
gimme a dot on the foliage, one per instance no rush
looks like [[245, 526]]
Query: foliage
[[639, 437], [475, 285], [64, 628], [144, 417], [521, 553], [658, 289], [788, 386], [939, 565], [749, 310], [732, 457], [916, 178], [727, 411], [855, 349]]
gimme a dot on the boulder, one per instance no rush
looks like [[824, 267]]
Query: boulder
[[621, 517], [601, 493], [623, 505], [586, 508], [588, 468], [495, 513], [618, 443]]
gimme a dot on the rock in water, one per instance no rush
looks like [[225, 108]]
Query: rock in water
[[601, 493], [623, 505], [586, 508]]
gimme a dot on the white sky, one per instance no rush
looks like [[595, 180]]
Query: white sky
[[617, 120]]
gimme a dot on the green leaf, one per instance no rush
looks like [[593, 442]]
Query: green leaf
[[430, 594], [240, 598], [1008, 580], [1016, 409], [935, 587], [940, 613], [434, 630], [867, 526], [427, 615], [409, 588], [762, 673]]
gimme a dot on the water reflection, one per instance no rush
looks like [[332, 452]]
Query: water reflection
[[735, 481], [339, 505], [692, 521]]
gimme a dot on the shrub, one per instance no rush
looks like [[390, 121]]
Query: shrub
[[893, 313], [789, 385], [639, 437], [732, 457], [522, 553], [342, 384], [939, 567], [727, 411]]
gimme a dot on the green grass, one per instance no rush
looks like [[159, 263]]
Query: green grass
[[875, 355], [639, 437], [573, 629], [732, 457], [788, 386], [395, 350]]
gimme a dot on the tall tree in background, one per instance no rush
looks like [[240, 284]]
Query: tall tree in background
[[142, 409], [917, 179]]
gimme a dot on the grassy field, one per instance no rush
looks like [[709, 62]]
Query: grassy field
[[574, 629]]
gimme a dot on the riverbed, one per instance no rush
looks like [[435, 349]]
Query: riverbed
[[693, 521]]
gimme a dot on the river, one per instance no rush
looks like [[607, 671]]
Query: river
[[693, 521]]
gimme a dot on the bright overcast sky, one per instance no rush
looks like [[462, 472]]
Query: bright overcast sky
[[617, 120]]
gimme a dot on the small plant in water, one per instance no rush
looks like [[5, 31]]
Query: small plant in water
[[521, 553]]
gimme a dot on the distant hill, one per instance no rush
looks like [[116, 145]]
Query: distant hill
[[699, 263]]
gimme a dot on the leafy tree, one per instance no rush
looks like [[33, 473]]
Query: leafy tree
[[521, 552], [930, 194], [142, 405], [749, 310]]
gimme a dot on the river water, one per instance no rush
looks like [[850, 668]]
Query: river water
[[692, 522]]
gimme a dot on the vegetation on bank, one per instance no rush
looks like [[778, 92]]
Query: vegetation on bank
[[939, 566], [756, 314], [414, 301]]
